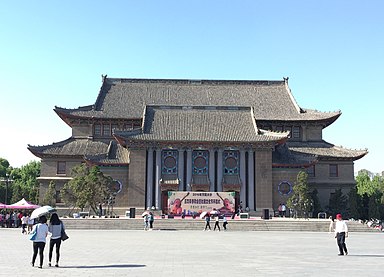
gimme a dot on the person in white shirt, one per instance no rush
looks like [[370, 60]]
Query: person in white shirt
[[39, 242], [341, 232], [24, 222]]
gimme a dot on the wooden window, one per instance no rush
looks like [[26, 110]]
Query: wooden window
[[311, 171], [61, 167], [333, 170], [115, 126], [296, 132], [136, 125], [106, 130], [97, 129]]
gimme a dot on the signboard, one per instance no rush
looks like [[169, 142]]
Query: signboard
[[192, 202]]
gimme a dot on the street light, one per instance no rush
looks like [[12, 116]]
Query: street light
[[7, 180]]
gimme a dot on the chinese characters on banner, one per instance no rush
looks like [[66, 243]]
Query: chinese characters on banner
[[189, 202]]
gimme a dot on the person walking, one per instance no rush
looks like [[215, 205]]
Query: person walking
[[207, 222], [341, 232], [55, 227], [146, 219], [24, 222], [151, 219], [30, 223], [216, 223], [283, 209], [41, 230], [225, 223], [100, 210]]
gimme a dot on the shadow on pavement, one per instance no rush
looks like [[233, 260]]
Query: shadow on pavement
[[105, 266], [367, 255]]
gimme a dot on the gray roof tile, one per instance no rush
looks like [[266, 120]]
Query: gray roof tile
[[324, 149], [96, 151], [200, 124], [126, 98]]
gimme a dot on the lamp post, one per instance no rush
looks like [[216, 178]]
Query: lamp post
[[7, 180]]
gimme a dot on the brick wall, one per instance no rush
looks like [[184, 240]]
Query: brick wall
[[279, 175], [136, 178]]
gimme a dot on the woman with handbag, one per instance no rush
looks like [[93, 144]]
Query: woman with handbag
[[39, 239], [56, 227]]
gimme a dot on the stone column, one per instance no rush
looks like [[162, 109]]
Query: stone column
[[242, 175], [263, 169], [180, 169], [158, 176], [212, 169], [149, 177], [220, 170], [189, 169], [251, 181]]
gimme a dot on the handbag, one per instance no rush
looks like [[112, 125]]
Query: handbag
[[32, 236], [64, 235]]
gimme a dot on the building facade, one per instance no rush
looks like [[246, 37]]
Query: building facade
[[154, 136]]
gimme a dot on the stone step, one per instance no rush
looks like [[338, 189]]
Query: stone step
[[198, 224]]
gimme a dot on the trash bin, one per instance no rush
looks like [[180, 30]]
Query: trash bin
[[132, 212], [265, 213]]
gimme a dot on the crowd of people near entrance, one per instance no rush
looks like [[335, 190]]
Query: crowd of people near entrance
[[16, 219]]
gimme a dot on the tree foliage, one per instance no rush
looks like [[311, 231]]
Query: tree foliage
[[50, 194], [316, 202], [355, 204], [88, 187], [370, 189], [4, 167], [25, 184], [301, 201], [338, 203]]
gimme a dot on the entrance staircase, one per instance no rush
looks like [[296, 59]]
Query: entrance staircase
[[178, 224]]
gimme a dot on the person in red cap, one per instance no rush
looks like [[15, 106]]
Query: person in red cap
[[341, 232]]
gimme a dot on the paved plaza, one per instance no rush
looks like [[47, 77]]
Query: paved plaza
[[197, 253]]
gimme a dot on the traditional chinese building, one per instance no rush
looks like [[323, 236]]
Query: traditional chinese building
[[154, 136]]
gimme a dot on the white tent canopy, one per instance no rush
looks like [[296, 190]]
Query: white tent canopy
[[22, 204]]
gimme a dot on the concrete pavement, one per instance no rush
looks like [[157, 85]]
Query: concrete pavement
[[197, 253]]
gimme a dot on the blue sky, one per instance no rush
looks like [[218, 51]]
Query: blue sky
[[54, 52]]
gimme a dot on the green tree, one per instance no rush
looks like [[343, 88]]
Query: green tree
[[374, 206], [338, 203], [25, 184], [370, 188], [4, 170], [50, 195], [301, 201], [88, 187], [316, 202], [367, 185], [355, 208], [4, 167]]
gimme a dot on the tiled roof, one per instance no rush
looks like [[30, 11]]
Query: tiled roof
[[126, 98], [324, 149], [93, 150], [282, 156], [116, 154], [200, 124]]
